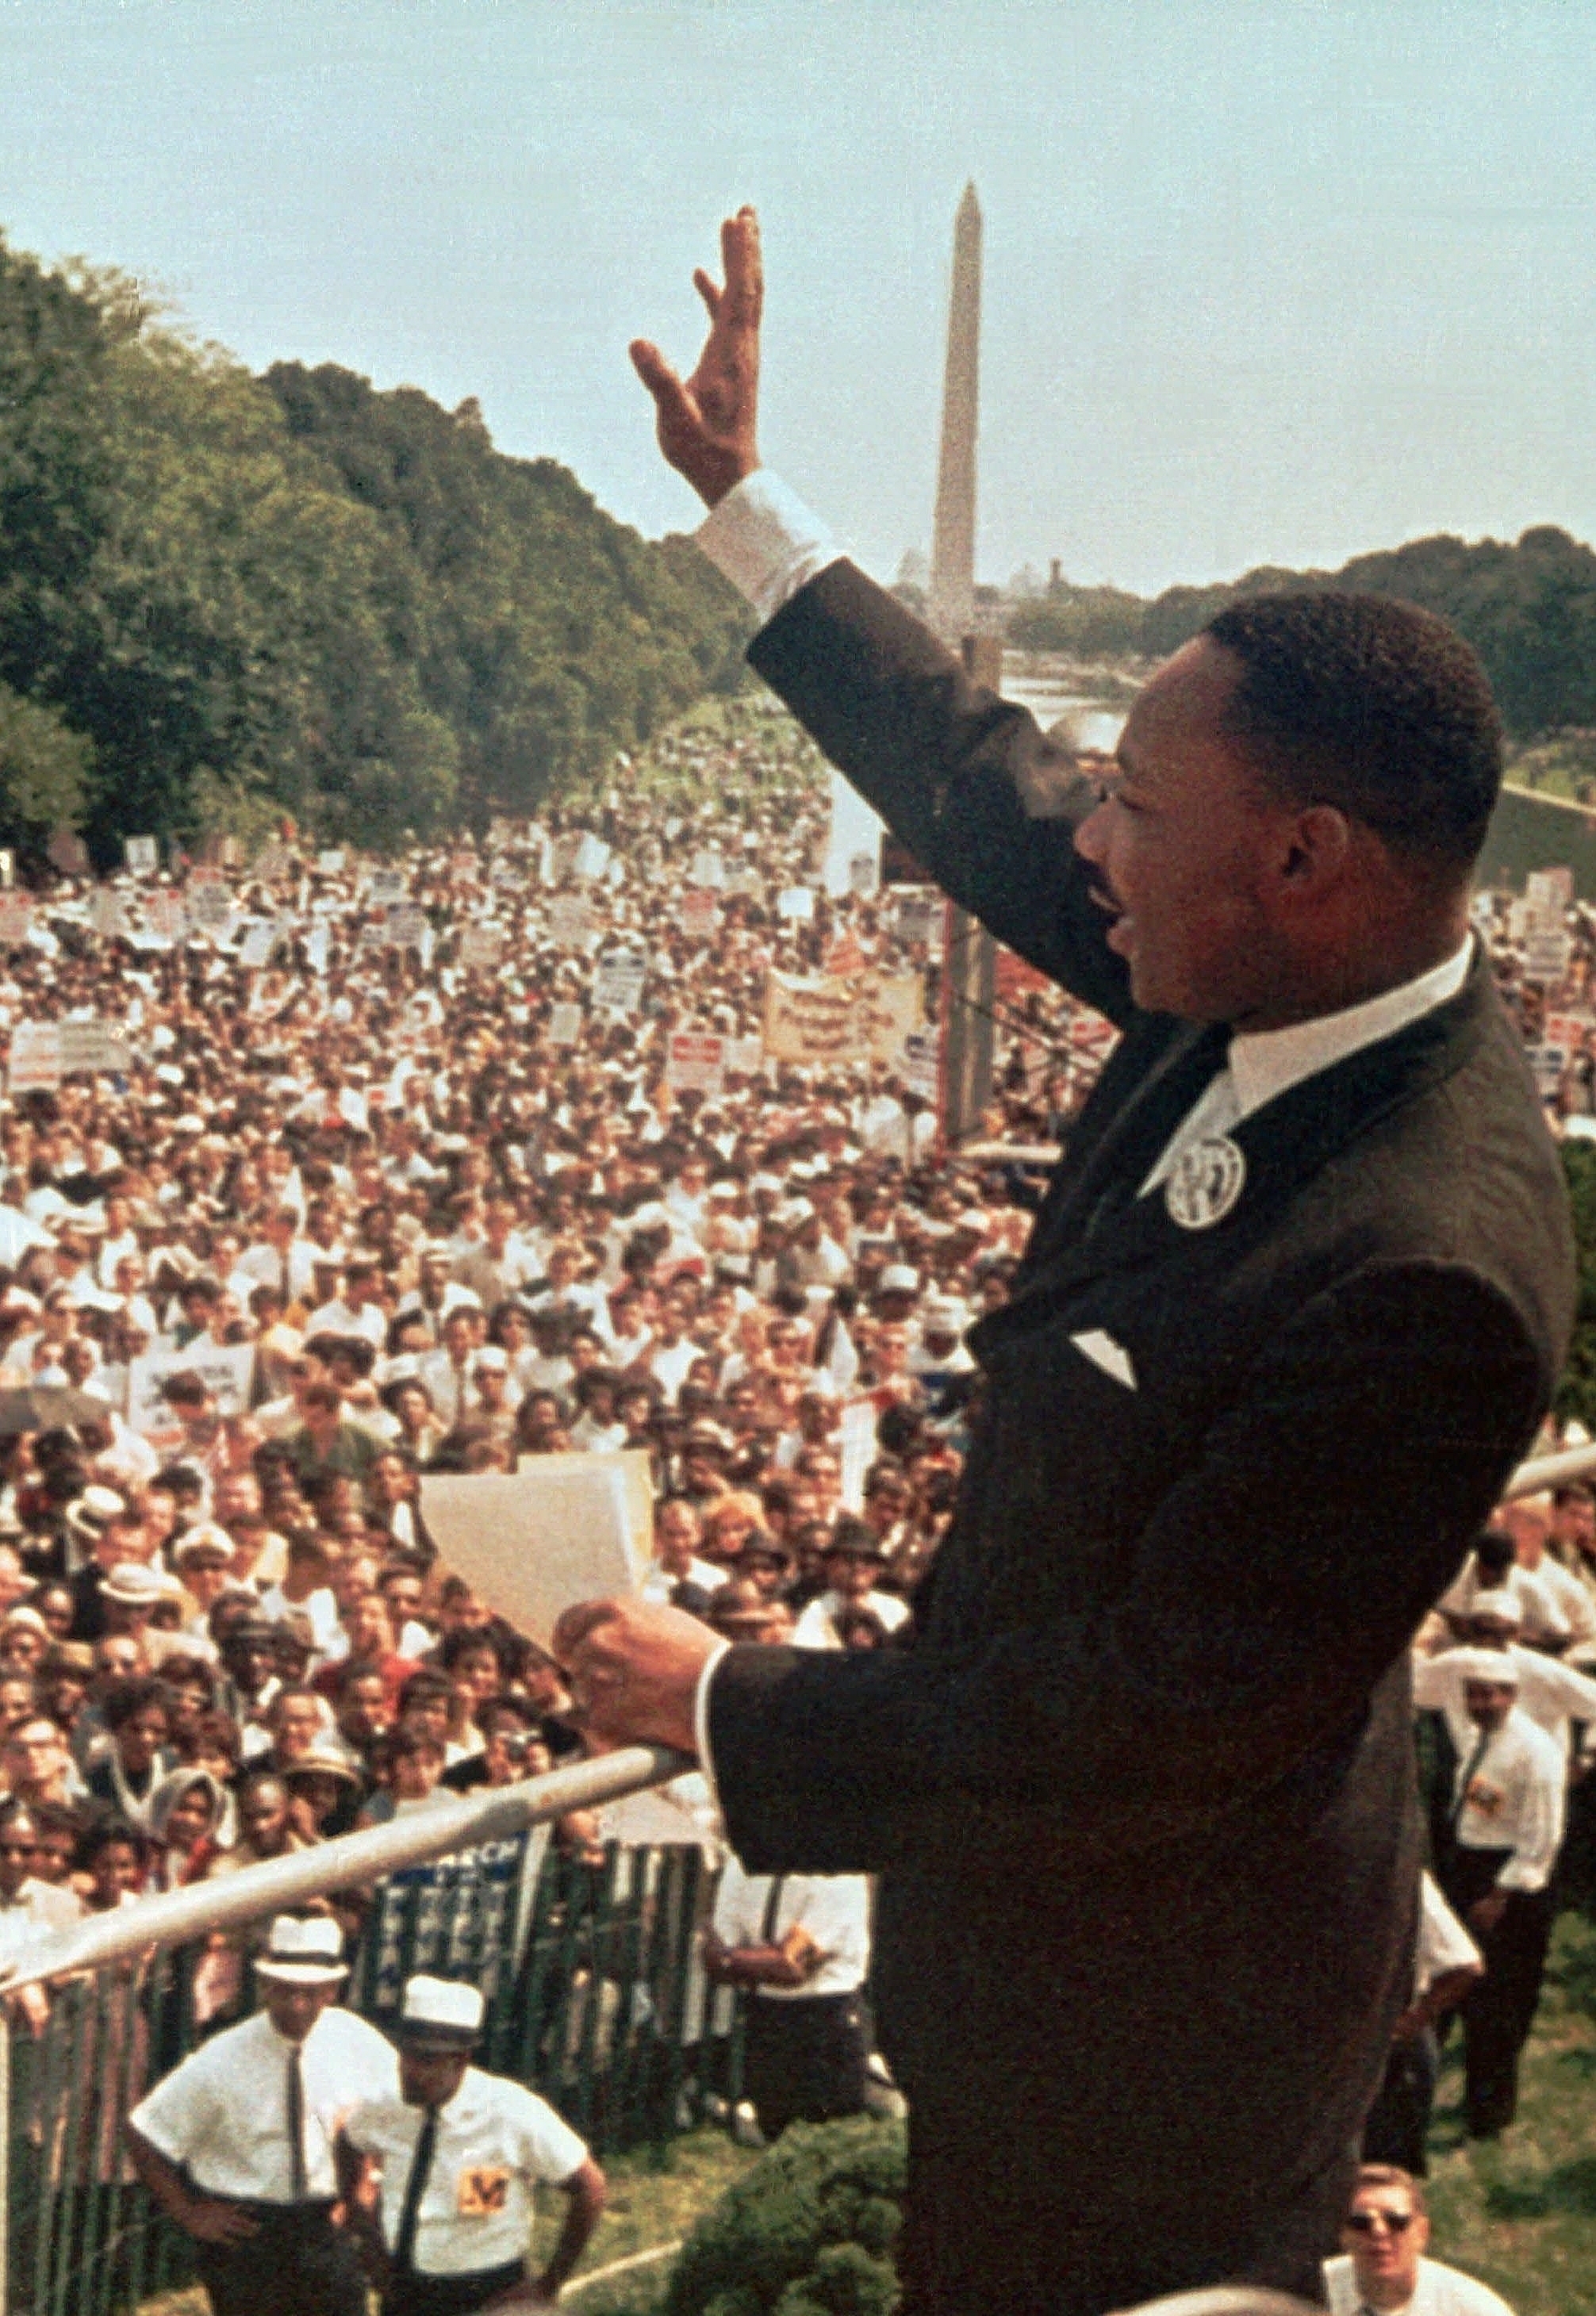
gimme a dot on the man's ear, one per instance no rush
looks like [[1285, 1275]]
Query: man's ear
[[1318, 848]]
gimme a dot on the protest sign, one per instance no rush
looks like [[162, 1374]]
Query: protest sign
[[35, 1058], [796, 903], [570, 918], [386, 889], [864, 873], [1546, 956], [106, 914], [481, 946], [828, 1017], [330, 861], [707, 870], [142, 855], [745, 1055], [16, 918], [406, 926], [592, 856], [921, 1074], [919, 915], [260, 939], [227, 1370], [695, 1063], [1550, 893], [699, 914], [317, 943], [167, 918], [273, 860], [618, 984], [531, 1543], [209, 905], [564, 1024], [68, 852], [845, 954], [93, 1046]]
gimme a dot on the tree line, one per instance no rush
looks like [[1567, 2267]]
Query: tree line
[[228, 599], [1528, 610]]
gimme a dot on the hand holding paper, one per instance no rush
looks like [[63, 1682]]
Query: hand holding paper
[[634, 1672]]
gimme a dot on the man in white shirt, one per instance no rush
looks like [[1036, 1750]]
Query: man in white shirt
[[853, 1561], [1382, 2271], [236, 2143], [1552, 1694], [1503, 1834], [801, 1944], [462, 2152]]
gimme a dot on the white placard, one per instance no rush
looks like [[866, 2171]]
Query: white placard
[[227, 1371], [330, 861], [592, 856], [696, 1062], [16, 918], [255, 948], [35, 1058], [699, 914], [921, 1074], [564, 1024], [1546, 956], [481, 946], [406, 927], [209, 903], [796, 904], [618, 984], [142, 855], [106, 916], [570, 920], [707, 870], [386, 889], [1549, 892], [167, 918], [93, 1047], [533, 1543]]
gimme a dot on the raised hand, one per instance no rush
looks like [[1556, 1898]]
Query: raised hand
[[708, 425]]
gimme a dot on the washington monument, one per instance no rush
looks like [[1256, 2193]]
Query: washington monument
[[952, 608]]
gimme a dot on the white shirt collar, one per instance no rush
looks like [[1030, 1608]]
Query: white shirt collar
[[1270, 1061]]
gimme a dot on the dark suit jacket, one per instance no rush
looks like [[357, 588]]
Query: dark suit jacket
[[1142, 1794]]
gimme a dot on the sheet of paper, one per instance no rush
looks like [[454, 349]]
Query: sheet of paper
[[531, 1542]]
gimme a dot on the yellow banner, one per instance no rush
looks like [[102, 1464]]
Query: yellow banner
[[842, 1016]]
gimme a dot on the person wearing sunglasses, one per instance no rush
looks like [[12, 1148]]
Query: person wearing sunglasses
[[1382, 2271]]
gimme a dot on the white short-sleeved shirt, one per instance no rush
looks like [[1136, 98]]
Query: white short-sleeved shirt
[[223, 2113], [1443, 1944], [816, 1627], [495, 2141], [832, 1909], [1439, 2292]]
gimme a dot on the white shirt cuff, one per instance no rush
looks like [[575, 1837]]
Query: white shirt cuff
[[766, 541], [701, 1718]]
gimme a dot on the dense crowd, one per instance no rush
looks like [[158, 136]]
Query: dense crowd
[[391, 1169]]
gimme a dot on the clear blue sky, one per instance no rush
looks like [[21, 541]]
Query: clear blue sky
[[1265, 283]]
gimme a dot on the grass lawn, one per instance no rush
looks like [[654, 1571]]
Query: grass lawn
[[1521, 2211]]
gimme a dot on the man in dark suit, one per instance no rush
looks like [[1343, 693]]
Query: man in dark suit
[[1141, 1796]]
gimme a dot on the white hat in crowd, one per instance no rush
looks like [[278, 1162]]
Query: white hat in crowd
[[304, 1950], [440, 2014]]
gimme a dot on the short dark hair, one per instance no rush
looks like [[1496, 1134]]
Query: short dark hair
[[1373, 706]]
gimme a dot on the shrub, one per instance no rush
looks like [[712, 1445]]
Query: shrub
[[808, 2232]]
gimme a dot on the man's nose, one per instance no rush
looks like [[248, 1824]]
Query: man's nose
[[1091, 836]]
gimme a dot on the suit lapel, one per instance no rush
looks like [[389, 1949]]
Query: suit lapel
[[1101, 1225]]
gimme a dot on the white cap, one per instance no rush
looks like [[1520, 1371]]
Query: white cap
[[303, 1951], [1483, 1664], [898, 1279], [441, 2011]]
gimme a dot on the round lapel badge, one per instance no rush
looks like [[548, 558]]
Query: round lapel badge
[[1204, 1182]]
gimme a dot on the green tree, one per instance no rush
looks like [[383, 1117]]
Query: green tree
[[44, 769]]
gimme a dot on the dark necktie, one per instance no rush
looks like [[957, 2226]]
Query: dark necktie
[[415, 2187], [1469, 1773], [296, 2125]]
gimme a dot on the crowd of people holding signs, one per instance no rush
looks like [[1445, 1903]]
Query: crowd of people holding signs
[[615, 1131]]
